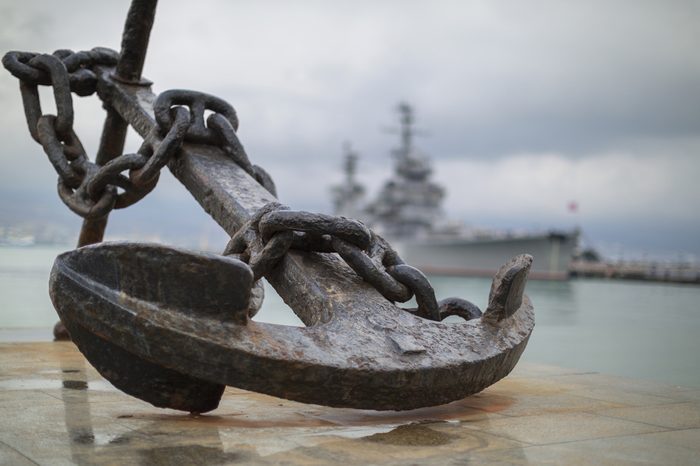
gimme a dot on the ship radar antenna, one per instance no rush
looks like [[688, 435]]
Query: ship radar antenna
[[407, 130], [350, 163], [406, 118]]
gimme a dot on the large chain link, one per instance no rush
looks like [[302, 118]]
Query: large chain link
[[220, 129], [83, 80], [274, 229]]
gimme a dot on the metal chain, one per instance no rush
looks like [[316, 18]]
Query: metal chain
[[274, 229], [89, 190], [83, 80], [92, 191], [220, 128]]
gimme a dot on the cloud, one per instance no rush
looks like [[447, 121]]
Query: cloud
[[608, 187], [490, 78], [596, 101]]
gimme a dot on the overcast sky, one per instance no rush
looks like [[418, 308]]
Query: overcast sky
[[527, 106]]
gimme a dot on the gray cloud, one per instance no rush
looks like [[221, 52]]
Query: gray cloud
[[492, 81]]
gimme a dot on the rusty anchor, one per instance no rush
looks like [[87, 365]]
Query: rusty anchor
[[174, 327]]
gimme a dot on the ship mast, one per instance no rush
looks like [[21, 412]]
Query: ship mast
[[410, 164], [406, 120], [408, 204], [348, 197], [350, 164]]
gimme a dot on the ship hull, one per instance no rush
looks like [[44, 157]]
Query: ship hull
[[552, 254]]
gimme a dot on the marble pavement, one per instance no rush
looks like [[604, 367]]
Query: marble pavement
[[55, 409]]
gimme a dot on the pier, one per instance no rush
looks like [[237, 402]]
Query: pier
[[669, 272]]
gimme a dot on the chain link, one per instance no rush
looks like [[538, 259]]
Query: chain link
[[197, 102], [158, 152], [83, 80], [62, 96], [220, 128]]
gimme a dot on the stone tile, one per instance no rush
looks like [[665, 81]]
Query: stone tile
[[526, 396], [626, 398], [49, 389], [415, 443], [186, 454], [26, 398], [460, 410], [622, 384], [537, 386], [684, 438], [531, 370], [673, 447], [530, 405], [675, 416], [255, 410], [57, 410], [46, 431], [693, 395], [95, 397], [50, 365], [11, 457], [561, 427]]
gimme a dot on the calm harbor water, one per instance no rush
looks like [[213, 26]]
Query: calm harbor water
[[636, 329]]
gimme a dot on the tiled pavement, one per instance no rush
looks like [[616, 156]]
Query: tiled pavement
[[55, 409]]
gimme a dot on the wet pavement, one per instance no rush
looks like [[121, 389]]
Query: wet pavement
[[57, 410]]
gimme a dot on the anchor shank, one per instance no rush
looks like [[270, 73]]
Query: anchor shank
[[315, 286], [137, 31]]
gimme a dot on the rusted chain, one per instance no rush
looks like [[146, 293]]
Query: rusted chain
[[83, 80], [197, 102], [220, 128], [89, 190], [274, 229]]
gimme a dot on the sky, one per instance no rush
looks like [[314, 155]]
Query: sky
[[525, 106]]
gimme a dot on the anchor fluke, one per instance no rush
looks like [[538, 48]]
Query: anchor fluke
[[146, 281], [145, 316], [508, 288]]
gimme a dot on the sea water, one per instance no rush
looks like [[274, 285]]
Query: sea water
[[637, 329]]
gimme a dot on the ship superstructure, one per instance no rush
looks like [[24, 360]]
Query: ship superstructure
[[408, 211], [409, 203]]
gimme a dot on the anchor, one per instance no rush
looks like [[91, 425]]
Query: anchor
[[174, 327]]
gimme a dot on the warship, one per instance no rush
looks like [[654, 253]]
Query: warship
[[408, 212]]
